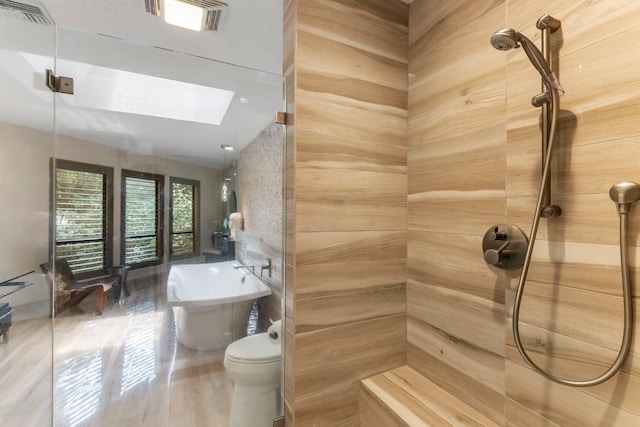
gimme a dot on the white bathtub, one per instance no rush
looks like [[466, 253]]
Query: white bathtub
[[212, 303]]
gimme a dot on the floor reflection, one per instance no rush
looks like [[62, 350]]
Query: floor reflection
[[79, 385], [139, 365], [26, 380], [126, 368]]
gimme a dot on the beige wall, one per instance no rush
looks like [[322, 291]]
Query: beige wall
[[346, 203], [474, 161], [25, 156]]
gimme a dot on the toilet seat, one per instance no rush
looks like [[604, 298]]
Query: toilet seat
[[254, 349]]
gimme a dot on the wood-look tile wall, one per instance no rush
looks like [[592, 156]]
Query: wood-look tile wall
[[474, 161], [346, 69]]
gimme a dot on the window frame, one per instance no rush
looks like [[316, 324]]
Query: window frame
[[196, 218], [107, 231], [159, 180]]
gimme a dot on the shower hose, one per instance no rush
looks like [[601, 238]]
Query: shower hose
[[624, 261]]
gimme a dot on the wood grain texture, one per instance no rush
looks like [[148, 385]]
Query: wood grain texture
[[412, 400], [342, 308], [478, 322], [346, 203], [373, 411], [469, 105], [462, 387], [316, 280], [329, 363], [472, 161], [474, 361]]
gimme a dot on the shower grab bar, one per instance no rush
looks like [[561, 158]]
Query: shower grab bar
[[624, 261], [547, 25]]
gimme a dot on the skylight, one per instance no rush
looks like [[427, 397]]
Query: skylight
[[127, 92]]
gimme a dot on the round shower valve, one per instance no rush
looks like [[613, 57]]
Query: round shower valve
[[504, 246]]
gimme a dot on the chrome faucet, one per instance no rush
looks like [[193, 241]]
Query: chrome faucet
[[247, 266]]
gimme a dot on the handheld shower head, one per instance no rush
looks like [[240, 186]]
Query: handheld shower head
[[536, 58], [625, 193], [508, 38], [505, 39]]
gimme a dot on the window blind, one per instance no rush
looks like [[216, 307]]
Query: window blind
[[80, 215], [141, 220]]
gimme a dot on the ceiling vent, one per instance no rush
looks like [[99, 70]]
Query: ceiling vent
[[213, 12], [25, 12]]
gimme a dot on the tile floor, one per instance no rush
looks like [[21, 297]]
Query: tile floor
[[124, 368]]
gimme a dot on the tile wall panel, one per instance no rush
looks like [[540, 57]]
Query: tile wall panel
[[346, 203], [571, 318], [470, 160]]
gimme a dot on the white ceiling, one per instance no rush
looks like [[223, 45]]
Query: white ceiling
[[251, 37]]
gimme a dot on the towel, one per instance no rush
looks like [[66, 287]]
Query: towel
[[235, 223]]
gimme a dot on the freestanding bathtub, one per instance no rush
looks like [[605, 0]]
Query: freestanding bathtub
[[212, 302]]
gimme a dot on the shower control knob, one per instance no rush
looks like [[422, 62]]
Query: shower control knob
[[497, 235], [497, 256], [504, 246]]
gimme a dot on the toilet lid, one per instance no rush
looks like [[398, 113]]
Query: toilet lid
[[254, 349]]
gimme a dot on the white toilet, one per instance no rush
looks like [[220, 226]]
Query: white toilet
[[254, 364]]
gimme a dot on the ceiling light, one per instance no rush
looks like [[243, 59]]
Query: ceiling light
[[226, 147], [196, 15], [183, 15]]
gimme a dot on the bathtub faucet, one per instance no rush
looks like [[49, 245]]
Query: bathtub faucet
[[247, 266]]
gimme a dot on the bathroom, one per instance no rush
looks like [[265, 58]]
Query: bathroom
[[392, 182]]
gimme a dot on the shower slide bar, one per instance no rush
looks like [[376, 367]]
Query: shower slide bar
[[624, 194]]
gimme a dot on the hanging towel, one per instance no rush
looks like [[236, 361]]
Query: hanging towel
[[235, 223]]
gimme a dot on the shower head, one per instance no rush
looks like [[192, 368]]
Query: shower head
[[505, 39], [625, 193], [508, 38]]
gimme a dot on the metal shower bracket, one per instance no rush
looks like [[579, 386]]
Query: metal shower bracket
[[547, 25]]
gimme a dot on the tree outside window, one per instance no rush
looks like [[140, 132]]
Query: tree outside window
[[82, 215], [185, 218], [142, 219]]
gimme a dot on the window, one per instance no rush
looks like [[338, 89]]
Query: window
[[82, 215], [185, 218], [142, 219]]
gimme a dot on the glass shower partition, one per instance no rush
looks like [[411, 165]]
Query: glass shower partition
[[123, 178], [167, 131], [26, 144]]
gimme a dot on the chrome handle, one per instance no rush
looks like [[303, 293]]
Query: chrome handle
[[497, 235], [496, 256]]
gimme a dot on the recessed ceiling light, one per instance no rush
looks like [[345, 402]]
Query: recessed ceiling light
[[196, 15], [243, 100], [226, 147]]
